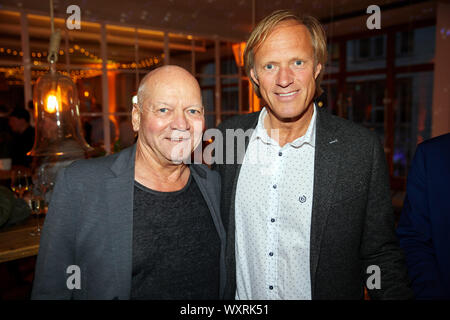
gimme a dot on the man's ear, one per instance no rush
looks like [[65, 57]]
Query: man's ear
[[254, 76], [318, 69], [136, 117]]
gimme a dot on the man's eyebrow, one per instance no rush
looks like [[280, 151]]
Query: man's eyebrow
[[196, 106], [268, 62], [156, 103]]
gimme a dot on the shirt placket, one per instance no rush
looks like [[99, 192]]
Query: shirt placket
[[273, 223]]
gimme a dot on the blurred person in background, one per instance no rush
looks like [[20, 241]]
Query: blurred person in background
[[424, 226], [22, 136], [5, 133]]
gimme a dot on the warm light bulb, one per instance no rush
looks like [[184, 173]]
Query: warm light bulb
[[86, 94], [52, 104]]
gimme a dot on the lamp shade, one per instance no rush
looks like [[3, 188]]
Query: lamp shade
[[58, 124]]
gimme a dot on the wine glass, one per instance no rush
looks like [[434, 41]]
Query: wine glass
[[37, 205], [19, 182], [42, 180], [45, 184]]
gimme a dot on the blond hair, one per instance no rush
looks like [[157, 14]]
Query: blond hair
[[266, 26]]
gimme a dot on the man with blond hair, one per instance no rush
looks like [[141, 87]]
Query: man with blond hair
[[312, 217]]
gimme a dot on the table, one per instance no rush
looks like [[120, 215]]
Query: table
[[16, 241]]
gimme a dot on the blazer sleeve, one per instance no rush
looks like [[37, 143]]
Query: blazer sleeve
[[57, 244], [379, 244], [414, 232]]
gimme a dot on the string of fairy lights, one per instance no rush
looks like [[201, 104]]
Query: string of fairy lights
[[95, 63]]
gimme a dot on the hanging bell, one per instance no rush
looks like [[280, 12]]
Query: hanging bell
[[58, 124]]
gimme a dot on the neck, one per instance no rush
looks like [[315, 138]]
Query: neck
[[157, 174], [288, 130]]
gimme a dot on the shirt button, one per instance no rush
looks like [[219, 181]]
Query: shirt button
[[274, 186], [280, 153], [272, 220], [270, 287], [271, 254]]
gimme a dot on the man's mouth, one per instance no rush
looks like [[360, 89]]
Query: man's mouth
[[288, 94], [178, 139]]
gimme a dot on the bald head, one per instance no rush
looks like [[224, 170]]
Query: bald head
[[164, 77]]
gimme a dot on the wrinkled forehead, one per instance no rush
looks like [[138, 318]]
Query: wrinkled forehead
[[174, 92]]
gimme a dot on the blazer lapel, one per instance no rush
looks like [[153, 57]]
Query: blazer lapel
[[200, 178], [212, 198], [326, 163], [120, 219]]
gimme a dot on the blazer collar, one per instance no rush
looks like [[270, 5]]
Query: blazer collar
[[124, 161]]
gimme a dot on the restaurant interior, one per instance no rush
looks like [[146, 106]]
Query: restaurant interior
[[392, 78]]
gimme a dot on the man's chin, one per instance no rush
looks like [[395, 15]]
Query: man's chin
[[179, 159], [288, 115]]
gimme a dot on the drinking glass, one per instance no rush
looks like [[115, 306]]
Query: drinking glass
[[19, 182], [44, 182], [37, 206]]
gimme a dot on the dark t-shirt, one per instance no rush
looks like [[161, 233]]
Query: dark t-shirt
[[176, 247]]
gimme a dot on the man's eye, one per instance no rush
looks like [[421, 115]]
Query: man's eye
[[269, 66], [298, 63], [193, 111], [163, 110]]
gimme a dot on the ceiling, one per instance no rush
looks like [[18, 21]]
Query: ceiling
[[228, 19]]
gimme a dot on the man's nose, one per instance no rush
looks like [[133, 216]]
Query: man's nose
[[285, 77], [180, 121]]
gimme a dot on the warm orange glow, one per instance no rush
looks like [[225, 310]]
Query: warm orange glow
[[145, 31], [238, 51], [112, 98], [51, 103], [58, 21], [86, 94], [254, 102], [54, 101]]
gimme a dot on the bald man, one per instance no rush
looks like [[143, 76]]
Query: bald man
[[139, 224]]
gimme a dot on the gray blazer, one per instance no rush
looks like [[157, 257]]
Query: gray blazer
[[90, 224], [352, 224]]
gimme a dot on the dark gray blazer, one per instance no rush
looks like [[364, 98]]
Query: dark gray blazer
[[90, 224], [352, 224]]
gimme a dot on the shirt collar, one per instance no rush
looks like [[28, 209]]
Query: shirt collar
[[309, 137]]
